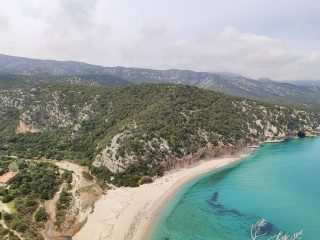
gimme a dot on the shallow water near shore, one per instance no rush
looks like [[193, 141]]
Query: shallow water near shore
[[278, 182]]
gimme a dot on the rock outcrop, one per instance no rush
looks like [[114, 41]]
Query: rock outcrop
[[24, 128], [207, 152]]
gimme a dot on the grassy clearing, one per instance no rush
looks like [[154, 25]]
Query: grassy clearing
[[12, 207]]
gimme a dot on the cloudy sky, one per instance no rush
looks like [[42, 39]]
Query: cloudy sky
[[279, 39]]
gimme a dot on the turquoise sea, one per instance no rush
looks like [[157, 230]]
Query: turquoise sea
[[278, 182]]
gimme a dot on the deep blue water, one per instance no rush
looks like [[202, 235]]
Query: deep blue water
[[278, 182]]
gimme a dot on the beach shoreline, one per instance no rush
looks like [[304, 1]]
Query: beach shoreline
[[130, 213]]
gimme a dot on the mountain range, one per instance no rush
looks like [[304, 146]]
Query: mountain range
[[26, 71]]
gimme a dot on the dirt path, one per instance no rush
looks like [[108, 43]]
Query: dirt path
[[50, 207], [78, 180], [85, 193], [4, 207], [4, 225]]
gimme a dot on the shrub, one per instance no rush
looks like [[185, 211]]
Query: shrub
[[145, 180], [19, 225], [7, 198], [41, 215], [7, 216]]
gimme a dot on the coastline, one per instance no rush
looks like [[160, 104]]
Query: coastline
[[130, 213]]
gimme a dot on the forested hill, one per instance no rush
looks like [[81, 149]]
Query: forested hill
[[137, 130], [13, 80], [303, 96], [34, 71]]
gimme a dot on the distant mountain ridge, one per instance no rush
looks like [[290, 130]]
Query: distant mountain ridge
[[307, 83], [237, 85], [7, 80], [306, 96], [28, 66]]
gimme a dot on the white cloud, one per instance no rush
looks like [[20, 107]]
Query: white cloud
[[4, 22], [230, 50], [202, 35], [154, 30]]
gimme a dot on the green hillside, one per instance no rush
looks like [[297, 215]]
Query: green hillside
[[134, 131]]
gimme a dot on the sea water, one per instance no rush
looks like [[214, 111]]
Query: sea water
[[278, 182]]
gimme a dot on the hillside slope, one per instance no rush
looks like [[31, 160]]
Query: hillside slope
[[13, 80], [138, 129], [44, 71], [237, 85]]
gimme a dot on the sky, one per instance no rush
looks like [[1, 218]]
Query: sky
[[278, 39]]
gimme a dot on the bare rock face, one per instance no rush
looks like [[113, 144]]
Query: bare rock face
[[108, 156], [306, 133], [208, 151], [24, 128]]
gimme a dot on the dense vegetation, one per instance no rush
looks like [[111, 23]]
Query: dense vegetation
[[134, 128], [133, 176], [27, 191], [6, 234], [63, 205]]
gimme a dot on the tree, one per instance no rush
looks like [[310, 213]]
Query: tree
[[41, 215], [257, 232], [7, 198]]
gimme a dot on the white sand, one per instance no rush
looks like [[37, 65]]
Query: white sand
[[128, 213]]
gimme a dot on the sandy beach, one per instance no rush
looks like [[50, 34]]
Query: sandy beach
[[128, 213]]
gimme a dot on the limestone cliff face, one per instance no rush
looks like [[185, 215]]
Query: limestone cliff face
[[170, 162], [114, 165], [44, 109], [111, 158], [24, 128]]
